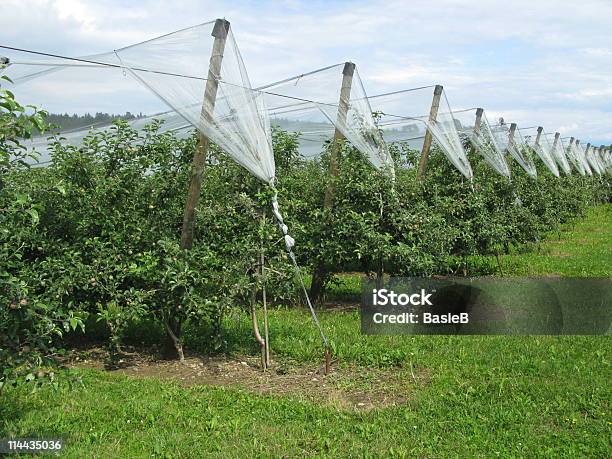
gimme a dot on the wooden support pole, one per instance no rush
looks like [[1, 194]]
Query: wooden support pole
[[433, 115], [318, 275], [479, 112], [343, 103], [220, 31], [586, 156], [537, 140], [264, 296], [511, 133], [556, 141]]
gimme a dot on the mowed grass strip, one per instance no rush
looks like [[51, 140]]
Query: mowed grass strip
[[484, 396], [582, 249]]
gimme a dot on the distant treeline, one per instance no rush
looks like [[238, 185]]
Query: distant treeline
[[74, 121]]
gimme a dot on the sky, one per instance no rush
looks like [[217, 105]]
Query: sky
[[542, 62]]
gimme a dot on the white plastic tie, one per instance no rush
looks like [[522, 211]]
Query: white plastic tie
[[289, 242]]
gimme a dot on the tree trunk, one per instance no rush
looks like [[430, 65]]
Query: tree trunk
[[173, 329], [316, 287]]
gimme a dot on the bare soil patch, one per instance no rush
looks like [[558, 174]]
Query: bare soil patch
[[345, 387]]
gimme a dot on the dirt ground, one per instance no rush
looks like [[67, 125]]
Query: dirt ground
[[345, 387]]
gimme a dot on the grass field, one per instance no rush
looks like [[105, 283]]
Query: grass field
[[454, 396], [583, 250]]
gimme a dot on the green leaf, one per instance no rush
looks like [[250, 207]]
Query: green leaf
[[61, 188], [34, 214]]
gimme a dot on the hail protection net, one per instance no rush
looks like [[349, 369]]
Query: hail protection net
[[515, 145], [166, 78], [598, 157], [579, 158], [541, 147], [604, 158], [583, 157], [557, 151], [501, 132], [573, 155], [199, 73], [482, 139], [405, 116], [81, 96], [321, 103], [593, 160]]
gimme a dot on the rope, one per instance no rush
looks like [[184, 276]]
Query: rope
[[289, 244]]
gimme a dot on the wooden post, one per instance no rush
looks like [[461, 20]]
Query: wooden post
[[537, 140], [220, 31], [433, 114], [586, 156], [511, 133], [345, 97], [318, 275], [476, 130], [556, 141], [479, 112], [264, 296]]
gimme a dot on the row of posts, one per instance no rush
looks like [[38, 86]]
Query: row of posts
[[220, 32]]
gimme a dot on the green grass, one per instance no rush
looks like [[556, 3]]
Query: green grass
[[580, 250], [484, 396]]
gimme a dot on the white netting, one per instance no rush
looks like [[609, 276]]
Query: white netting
[[573, 155], [175, 68], [605, 159], [601, 158], [84, 86], [579, 158], [178, 68], [483, 139], [592, 159], [318, 103], [584, 158], [517, 148], [71, 89], [404, 115], [541, 147], [558, 152]]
